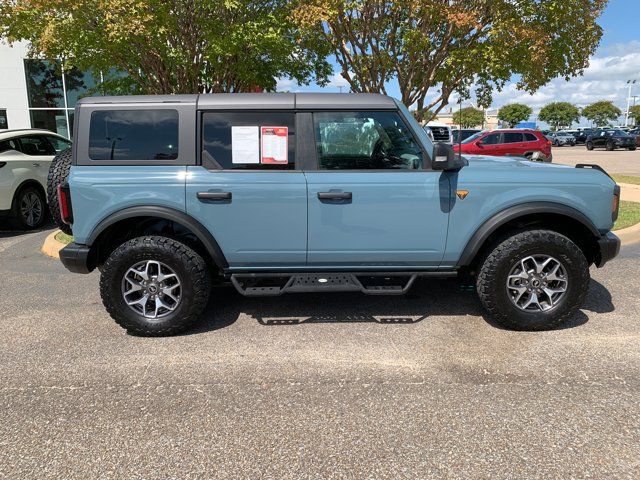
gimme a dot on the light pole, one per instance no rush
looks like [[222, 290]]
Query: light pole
[[626, 115]]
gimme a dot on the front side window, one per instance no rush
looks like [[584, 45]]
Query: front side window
[[492, 139], [248, 140], [133, 135], [365, 140], [59, 144], [36, 146]]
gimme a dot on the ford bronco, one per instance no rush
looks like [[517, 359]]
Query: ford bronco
[[279, 193]]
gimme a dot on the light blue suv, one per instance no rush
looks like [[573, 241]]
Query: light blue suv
[[279, 193]]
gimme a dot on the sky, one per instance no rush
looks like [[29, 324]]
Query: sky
[[616, 60]]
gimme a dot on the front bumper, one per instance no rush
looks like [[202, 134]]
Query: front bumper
[[608, 248], [77, 258]]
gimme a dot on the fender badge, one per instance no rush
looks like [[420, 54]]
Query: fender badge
[[462, 194]]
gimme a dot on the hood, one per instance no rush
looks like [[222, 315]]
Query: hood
[[488, 161]]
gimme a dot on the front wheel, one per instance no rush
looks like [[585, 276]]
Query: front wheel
[[610, 146], [589, 145], [154, 286], [534, 280], [632, 148]]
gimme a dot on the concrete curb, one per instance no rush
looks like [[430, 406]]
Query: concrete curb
[[629, 235], [51, 246]]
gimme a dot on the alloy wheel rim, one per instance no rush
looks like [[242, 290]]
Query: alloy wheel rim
[[537, 283], [151, 289], [31, 209]]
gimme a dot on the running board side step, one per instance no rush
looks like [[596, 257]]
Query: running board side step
[[274, 284]]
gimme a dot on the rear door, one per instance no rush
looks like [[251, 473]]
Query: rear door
[[40, 153], [371, 202], [513, 143], [247, 191]]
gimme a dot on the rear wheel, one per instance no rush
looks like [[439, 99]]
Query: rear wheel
[[58, 174], [29, 208], [589, 145], [154, 286], [610, 146], [534, 280], [632, 148]]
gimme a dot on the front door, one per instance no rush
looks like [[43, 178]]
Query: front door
[[247, 192], [371, 203]]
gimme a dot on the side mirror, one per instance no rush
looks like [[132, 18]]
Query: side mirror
[[479, 144], [445, 159]]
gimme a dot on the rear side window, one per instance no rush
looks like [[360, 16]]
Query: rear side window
[[248, 140], [530, 137], [37, 145], [133, 135], [513, 137]]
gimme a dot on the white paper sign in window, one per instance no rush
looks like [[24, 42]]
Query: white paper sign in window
[[245, 144], [275, 145]]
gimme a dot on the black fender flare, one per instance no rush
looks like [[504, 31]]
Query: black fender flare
[[477, 240], [166, 213]]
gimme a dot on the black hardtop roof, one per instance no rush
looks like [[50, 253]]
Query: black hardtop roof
[[249, 101]]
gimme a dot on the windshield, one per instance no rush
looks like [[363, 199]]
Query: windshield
[[472, 138]]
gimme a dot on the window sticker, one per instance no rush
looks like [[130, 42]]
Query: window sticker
[[275, 145], [245, 144]]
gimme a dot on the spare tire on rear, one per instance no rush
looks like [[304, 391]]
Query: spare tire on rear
[[58, 173]]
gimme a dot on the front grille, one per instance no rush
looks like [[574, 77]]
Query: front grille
[[440, 134]]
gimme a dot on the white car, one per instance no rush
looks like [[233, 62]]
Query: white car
[[25, 156]]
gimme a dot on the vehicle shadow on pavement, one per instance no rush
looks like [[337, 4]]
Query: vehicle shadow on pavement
[[8, 228], [427, 298]]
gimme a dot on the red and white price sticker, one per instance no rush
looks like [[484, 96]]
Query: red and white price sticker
[[275, 147]]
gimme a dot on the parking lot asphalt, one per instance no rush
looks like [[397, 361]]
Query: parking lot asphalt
[[618, 161], [322, 386]]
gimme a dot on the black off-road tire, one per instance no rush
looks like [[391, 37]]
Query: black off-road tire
[[492, 277], [185, 262], [58, 173], [589, 145]]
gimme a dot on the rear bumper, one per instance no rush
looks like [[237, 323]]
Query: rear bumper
[[608, 248], [76, 258]]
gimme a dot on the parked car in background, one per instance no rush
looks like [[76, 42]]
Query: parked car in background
[[25, 156], [530, 144], [611, 139], [636, 132], [581, 135], [462, 134], [562, 138], [439, 132]]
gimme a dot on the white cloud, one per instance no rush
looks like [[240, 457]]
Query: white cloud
[[336, 81]]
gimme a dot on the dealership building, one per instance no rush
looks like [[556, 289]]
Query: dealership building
[[38, 93]]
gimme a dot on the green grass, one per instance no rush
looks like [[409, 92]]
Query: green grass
[[629, 215], [64, 238], [626, 179]]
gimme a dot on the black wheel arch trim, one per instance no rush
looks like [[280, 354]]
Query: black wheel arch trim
[[478, 239], [166, 213]]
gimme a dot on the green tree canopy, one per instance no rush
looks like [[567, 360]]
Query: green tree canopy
[[514, 113], [468, 117], [601, 113], [422, 46], [559, 114], [634, 112], [171, 46]]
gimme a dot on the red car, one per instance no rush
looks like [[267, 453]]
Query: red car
[[527, 143]]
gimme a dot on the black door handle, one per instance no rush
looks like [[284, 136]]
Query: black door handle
[[214, 195], [335, 195]]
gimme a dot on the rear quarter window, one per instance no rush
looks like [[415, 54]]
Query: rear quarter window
[[530, 137], [134, 135]]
